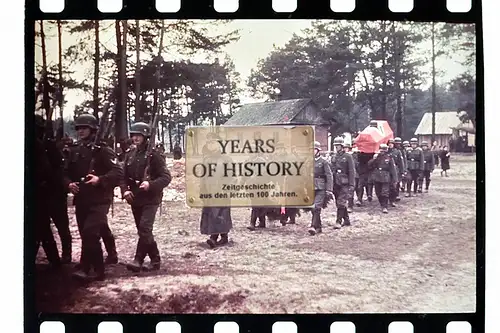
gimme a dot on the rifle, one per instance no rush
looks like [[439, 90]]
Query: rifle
[[97, 139]]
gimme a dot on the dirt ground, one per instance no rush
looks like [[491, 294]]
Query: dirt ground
[[418, 258]]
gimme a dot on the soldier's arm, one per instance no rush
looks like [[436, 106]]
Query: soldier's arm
[[115, 172], [124, 179], [351, 170], [329, 176], [162, 176], [421, 160], [66, 174], [394, 175], [433, 163]]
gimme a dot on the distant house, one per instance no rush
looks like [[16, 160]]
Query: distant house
[[286, 112], [448, 127]]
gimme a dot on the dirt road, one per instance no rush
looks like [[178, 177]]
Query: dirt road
[[418, 258]]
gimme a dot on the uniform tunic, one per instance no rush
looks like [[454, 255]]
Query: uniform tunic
[[344, 176], [92, 202], [145, 203], [415, 164], [384, 174]]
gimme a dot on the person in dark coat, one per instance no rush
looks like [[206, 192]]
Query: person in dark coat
[[215, 221], [399, 162], [144, 194], [445, 161], [91, 175], [43, 183], [415, 163], [177, 151], [428, 166], [384, 175], [344, 176]]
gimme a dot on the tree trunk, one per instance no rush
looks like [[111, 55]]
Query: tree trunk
[[170, 137], [384, 78], [137, 71], [97, 60], [44, 77], [61, 88], [433, 135], [121, 91], [159, 62], [397, 81]]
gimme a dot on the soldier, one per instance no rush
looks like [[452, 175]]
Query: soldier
[[398, 145], [57, 201], [177, 151], [415, 160], [348, 150], [444, 155], [399, 162], [258, 213], [160, 148], [343, 171], [91, 174], [144, 195], [428, 166], [323, 188], [44, 182], [384, 175], [355, 155]]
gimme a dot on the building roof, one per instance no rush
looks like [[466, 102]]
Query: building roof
[[445, 121], [269, 113]]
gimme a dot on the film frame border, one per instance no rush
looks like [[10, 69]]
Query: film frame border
[[423, 10]]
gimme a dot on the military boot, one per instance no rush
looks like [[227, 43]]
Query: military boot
[[224, 239], [212, 241], [109, 243], [385, 211], [315, 224], [154, 255], [338, 220], [347, 221], [140, 254], [253, 219], [66, 254]]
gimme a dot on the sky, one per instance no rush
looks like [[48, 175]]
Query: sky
[[257, 41]]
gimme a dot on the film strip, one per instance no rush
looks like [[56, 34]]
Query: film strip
[[452, 11]]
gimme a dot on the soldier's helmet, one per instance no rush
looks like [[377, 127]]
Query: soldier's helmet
[[397, 140], [338, 141], [317, 145], [347, 145], [424, 143], [86, 120], [140, 128], [414, 140], [373, 123], [39, 121], [383, 147], [390, 141], [406, 143]]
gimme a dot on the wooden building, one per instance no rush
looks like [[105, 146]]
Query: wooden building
[[449, 128], [285, 112]]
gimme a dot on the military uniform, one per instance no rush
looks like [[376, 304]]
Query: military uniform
[[258, 213], [92, 202], [353, 189], [144, 203], [323, 186], [57, 203], [402, 149], [384, 175], [344, 175], [415, 159], [44, 182], [177, 152], [399, 163], [429, 159]]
